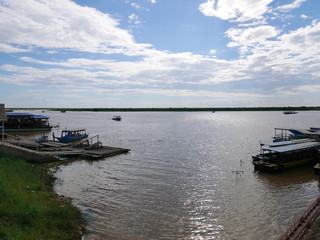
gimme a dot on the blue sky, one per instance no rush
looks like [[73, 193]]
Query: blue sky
[[159, 53]]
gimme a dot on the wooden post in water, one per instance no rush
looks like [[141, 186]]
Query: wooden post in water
[[3, 118], [238, 173]]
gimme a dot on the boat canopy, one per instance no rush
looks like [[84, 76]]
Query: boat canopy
[[74, 130], [298, 131], [25, 114], [40, 117], [284, 143], [291, 147]]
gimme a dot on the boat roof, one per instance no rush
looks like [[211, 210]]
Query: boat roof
[[18, 114], [74, 130], [26, 115], [299, 131], [291, 147], [284, 143]]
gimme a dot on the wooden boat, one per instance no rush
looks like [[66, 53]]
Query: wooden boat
[[116, 118], [72, 135], [276, 156]]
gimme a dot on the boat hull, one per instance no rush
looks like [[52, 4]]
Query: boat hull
[[71, 139], [27, 129], [263, 166], [116, 118]]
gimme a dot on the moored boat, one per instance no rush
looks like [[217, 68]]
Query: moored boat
[[116, 118], [276, 156], [72, 135], [290, 112], [23, 121], [284, 134]]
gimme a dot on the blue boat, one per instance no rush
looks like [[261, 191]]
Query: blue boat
[[72, 135]]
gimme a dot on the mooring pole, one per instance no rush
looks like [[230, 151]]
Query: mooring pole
[[2, 131]]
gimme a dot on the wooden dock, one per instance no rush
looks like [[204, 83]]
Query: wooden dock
[[301, 225], [51, 151]]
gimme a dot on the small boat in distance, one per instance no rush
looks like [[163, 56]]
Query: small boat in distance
[[72, 135], [290, 112], [116, 118]]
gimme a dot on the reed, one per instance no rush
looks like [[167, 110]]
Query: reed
[[29, 210]]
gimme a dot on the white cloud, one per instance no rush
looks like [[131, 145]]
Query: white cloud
[[305, 41], [249, 37], [7, 48], [288, 7], [153, 1], [63, 24], [304, 16], [134, 19], [267, 57], [244, 10], [308, 89], [237, 10], [135, 5], [213, 51]]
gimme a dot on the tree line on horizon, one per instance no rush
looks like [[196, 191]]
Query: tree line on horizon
[[180, 109]]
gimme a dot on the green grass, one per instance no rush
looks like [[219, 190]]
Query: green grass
[[29, 210]]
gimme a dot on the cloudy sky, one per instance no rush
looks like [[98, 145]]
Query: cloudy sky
[[159, 53]]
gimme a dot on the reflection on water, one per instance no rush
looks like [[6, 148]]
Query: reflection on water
[[178, 181]]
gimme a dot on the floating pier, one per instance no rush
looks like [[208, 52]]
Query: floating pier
[[50, 151], [301, 225]]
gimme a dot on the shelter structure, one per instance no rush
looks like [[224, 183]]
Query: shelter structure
[[3, 119]]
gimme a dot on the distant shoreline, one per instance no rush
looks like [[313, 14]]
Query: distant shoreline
[[174, 109]]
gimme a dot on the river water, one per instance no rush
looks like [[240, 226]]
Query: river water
[[178, 180]]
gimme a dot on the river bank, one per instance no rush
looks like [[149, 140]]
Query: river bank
[[29, 209]]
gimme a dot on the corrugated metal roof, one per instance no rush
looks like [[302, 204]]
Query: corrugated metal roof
[[25, 114], [19, 114], [299, 131], [40, 116], [3, 116], [74, 130], [291, 147], [284, 143]]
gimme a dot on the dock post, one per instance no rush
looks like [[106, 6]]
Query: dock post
[[2, 131], [3, 118]]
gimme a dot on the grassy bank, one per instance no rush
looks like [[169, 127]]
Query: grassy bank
[[28, 207]]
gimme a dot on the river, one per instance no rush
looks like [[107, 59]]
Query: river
[[179, 180]]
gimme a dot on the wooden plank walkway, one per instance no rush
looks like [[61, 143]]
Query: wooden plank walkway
[[301, 225]]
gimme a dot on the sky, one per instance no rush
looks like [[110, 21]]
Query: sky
[[159, 53]]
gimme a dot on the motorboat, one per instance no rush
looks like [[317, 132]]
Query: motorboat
[[116, 118], [72, 135]]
